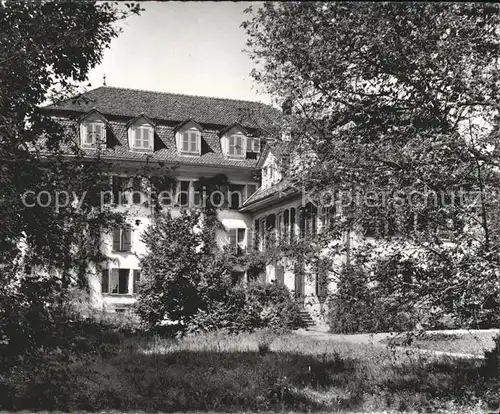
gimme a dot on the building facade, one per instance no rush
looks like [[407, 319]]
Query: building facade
[[180, 141]]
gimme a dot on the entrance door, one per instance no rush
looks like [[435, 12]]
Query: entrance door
[[280, 274], [299, 284]]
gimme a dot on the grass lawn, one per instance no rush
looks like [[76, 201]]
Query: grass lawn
[[473, 342], [230, 373]]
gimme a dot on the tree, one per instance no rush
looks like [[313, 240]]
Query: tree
[[184, 270], [392, 100], [46, 51]]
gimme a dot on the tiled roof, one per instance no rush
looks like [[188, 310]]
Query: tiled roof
[[278, 190], [165, 147], [171, 107], [120, 106], [278, 148]]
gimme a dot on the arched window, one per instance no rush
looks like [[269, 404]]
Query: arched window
[[286, 225], [188, 138], [141, 134], [280, 228], [93, 130], [234, 142]]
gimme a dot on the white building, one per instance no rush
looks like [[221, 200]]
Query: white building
[[183, 139]]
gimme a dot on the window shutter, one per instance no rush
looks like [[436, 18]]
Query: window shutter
[[116, 240], [250, 236], [98, 132], [83, 133], [137, 138], [114, 281], [103, 135], [137, 279], [232, 237], [126, 240], [90, 134], [185, 141], [151, 137], [105, 281], [239, 145], [256, 145]]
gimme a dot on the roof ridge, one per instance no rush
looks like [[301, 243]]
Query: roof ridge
[[179, 94]]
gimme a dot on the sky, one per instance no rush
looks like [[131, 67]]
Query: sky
[[192, 48]]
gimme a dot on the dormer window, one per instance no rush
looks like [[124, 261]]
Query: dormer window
[[191, 142], [143, 138], [253, 144], [93, 130], [93, 134], [188, 138], [234, 142], [141, 134], [236, 147]]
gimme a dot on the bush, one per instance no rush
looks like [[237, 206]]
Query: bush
[[29, 314], [270, 305], [370, 304], [228, 315], [493, 359], [245, 309]]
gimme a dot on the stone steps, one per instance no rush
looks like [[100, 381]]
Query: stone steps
[[307, 319]]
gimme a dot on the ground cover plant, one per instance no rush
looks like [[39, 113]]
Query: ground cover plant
[[259, 372]]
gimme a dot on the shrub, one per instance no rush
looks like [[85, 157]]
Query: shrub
[[27, 316], [493, 359], [245, 309], [228, 315], [370, 303], [270, 305]]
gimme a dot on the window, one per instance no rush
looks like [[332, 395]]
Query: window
[[188, 138], [236, 196], [308, 220], [253, 144], [183, 194], [143, 138], [119, 281], [236, 145], [286, 225], [191, 142], [136, 190], [163, 189], [270, 235], [93, 134], [105, 281], [280, 227], [115, 281], [120, 186], [121, 240], [237, 239], [141, 134]]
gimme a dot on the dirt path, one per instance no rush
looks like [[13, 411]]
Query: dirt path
[[321, 333]]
